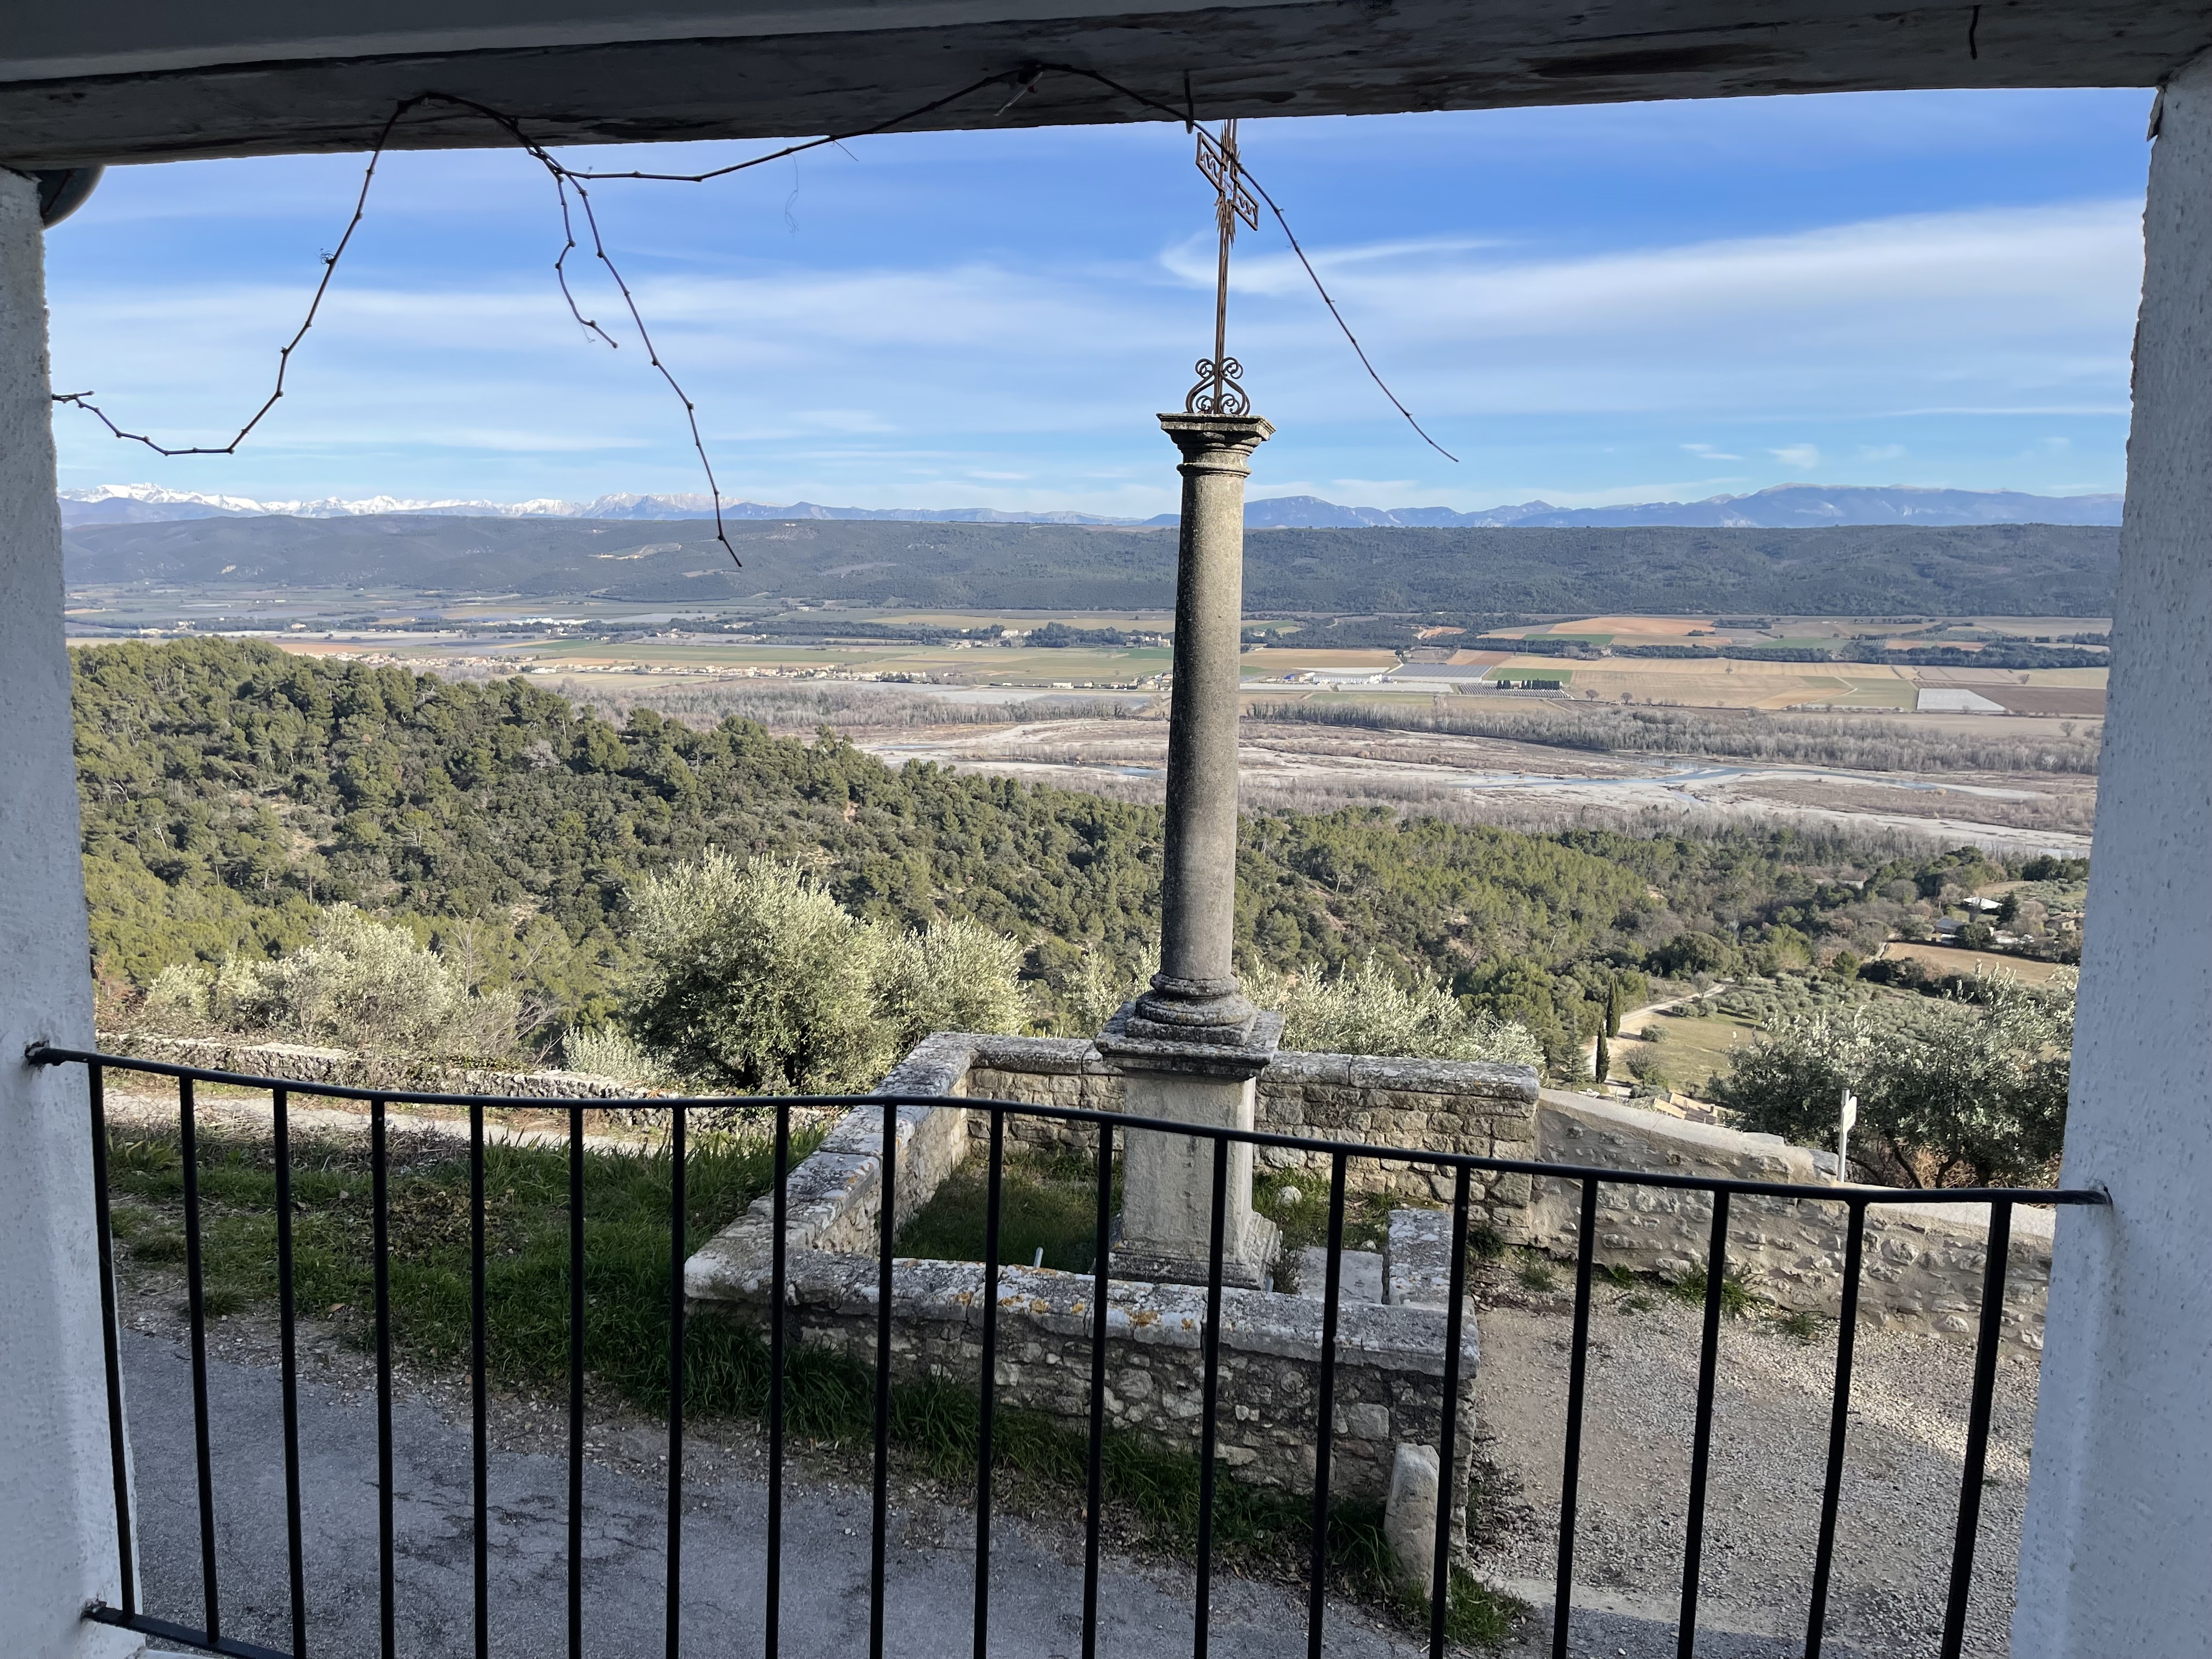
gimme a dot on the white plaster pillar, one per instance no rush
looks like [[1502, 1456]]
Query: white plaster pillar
[[2116, 1557], [56, 1511]]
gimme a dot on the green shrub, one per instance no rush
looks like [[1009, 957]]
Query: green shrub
[[1362, 1009], [757, 979]]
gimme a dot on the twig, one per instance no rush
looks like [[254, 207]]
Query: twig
[[83, 400], [565, 179]]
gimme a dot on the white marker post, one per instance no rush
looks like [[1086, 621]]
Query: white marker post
[[1844, 1121]]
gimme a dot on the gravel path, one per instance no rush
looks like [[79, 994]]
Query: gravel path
[[1037, 1563], [1898, 1510]]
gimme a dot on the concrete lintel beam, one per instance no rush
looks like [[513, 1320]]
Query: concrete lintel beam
[[115, 81]]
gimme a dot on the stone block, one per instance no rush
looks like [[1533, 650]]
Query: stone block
[[1409, 1516]]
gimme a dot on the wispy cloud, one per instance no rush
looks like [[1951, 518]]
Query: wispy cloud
[[915, 331]]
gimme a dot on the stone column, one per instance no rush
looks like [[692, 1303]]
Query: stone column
[[2117, 1554], [57, 1529], [1190, 1048]]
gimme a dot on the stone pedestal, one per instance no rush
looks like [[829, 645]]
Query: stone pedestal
[[1167, 1186]]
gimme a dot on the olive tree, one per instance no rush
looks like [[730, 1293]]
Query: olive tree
[[1364, 1011], [755, 978], [358, 983], [1966, 1087]]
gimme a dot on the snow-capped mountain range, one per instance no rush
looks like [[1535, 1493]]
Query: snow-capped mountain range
[[152, 503], [1782, 507]]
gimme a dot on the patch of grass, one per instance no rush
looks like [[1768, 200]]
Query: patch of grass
[[1043, 1205], [1486, 1243], [1537, 1275], [1620, 1277], [1297, 1201], [1639, 1303], [1736, 1298], [626, 1276], [1475, 1616], [141, 1157], [1800, 1327], [220, 1300]]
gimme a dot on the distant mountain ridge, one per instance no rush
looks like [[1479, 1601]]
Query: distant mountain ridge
[[1458, 571], [155, 504], [1781, 507]]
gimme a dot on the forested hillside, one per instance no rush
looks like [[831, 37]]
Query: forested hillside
[[2024, 570], [230, 790]]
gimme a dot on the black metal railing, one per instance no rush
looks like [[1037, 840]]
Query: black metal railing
[[210, 1636]]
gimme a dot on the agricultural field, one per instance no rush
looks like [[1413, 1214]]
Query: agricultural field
[[1949, 959], [1684, 1050]]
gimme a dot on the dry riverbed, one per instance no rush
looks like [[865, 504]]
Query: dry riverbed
[[1531, 786]]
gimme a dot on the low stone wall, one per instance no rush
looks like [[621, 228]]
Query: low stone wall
[[302, 1064], [1389, 1368], [1440, 1105], [1923, 1262], [1389, 1381]]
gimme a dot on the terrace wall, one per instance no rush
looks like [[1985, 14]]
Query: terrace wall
[[1390, 1373], [1923, 1262]]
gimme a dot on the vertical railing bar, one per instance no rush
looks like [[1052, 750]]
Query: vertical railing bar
[[1448, 1432], [779, 1202], [576, 1287], [988, 1386], [1095, 1486], [118, 1450], [380, 1223], [1325, 1410], [1209, 1400], [678, 1241], [887, 1229], [188, 1137], [1570, 1473], [1839, 1416], [1978, 1427], [479, 1393], [280, 1118], [1694, 1546]]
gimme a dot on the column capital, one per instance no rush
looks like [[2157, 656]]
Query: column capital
[[1216, 437]]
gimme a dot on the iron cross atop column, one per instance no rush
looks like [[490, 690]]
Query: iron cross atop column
[[1218, 391]]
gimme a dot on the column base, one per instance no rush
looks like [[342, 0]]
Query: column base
[[1210, 1011], [1204, 1027]]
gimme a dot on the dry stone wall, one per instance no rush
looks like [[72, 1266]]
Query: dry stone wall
[[1390, 1360], [1923, 1262], [1438, 1105], [1389, 1381], [301, 1063]]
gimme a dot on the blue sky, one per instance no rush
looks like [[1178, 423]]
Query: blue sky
[[1594, 305]]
